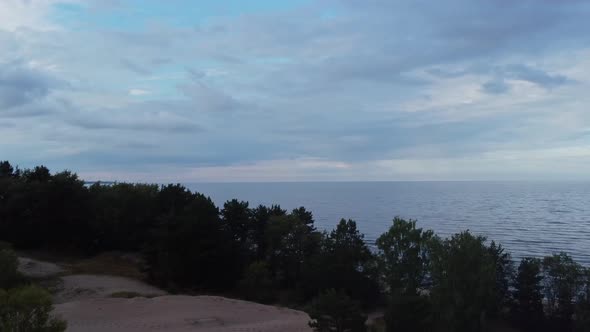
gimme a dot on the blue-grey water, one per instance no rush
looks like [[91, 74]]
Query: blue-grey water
[[528, 218]]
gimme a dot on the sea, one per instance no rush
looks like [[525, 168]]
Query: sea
[[530, 219]]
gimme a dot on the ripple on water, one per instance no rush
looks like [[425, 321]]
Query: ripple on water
[[528, 218]]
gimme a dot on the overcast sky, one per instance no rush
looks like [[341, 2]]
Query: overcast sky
[[299, 90]]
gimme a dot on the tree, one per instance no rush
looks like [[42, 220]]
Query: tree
[[582, 323], [65, 214], [38, 174], [6, 170], [504, 275], [344, 262], [28, 309], [257, 284], [122, 214], [44, 210], [236, 218], [562, 282], [404, 257], [527, 311], [409, 313], [171, 199], [260, 219], [334, 311], [305, 216], [290, 243], [464, 278], [191, 249]]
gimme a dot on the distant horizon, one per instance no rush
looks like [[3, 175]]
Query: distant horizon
[[337, 181]]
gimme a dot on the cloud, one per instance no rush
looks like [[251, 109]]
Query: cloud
[[496, 86], [537, 76], [520, 72], [135, 68], [26, 14], [134, 117], [23, 87], [194, 74], [337, 89], [209, 99], [138, 92]]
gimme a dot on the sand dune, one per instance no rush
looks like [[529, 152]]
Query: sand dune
[[179, 314], [37, 269], [85, 302], [86, 286]]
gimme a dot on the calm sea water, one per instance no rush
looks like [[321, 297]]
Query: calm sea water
[[528, 218]]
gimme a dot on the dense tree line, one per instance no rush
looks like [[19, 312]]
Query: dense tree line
[[271, 255]]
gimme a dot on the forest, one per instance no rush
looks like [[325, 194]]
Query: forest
[[267, 254]]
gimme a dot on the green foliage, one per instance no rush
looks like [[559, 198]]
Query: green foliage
[[5, 246], [344, 262], [44, 210], [504, 274], [409, 313], [170, 199], [6, 169], [123, 214], [290, 241], [236, 217], [582, 313], [37, 174], [9, 275], [192, 250], [347, 245], [464, 278], [257, 284], [304, 216], [561, 285], [404, 256], [404, 260], [334, 311], [28, 309], [527, 310]]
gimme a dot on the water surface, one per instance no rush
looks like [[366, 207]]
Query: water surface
[[528, 218]]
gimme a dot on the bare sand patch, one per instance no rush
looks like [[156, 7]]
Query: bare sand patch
[[37, 269], [87, 286], [179, 314], [85, 301]]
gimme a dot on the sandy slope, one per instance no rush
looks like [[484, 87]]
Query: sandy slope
[[82, 286], [85, 302], [37, 269], [179, 313]]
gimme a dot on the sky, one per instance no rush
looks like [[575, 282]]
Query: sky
[[297, 90]]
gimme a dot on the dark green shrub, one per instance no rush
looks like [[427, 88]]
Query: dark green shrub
[[28, 309], [257, 284], [410, 313], [9, 275], [334, 311]]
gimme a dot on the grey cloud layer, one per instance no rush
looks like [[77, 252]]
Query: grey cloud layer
[[344, 80], [20, 86]]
